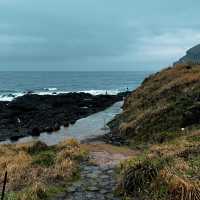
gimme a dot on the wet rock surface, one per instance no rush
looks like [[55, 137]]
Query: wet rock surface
[[108, 138], [98, 177], [33, 114], [96, 183]]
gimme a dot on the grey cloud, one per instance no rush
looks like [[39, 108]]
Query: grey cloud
[[94, 35]]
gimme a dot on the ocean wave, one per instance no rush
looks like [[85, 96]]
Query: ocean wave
[[11, 96], [98, 92], [51, 89], [93, 92], [54, 91]]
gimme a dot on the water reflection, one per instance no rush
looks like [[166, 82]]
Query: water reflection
[[84, 128]]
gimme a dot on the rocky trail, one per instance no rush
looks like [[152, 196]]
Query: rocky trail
[[98, 176]]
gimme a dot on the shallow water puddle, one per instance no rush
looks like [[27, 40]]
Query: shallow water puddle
[[90, 126]]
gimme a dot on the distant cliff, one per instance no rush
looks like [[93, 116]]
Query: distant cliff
[[165, 102], [192, 56]]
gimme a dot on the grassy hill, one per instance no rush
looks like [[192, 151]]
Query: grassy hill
[[161, 118], [167, 171], [165, 102]]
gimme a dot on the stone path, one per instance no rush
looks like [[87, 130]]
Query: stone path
[[98, 177], [96, 183]]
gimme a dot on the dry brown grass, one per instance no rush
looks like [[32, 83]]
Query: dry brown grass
[[180, 189], [35, 165], [175, 146], [168, 171], [35, 192], [16, 163], [162, 103], [154, 117]]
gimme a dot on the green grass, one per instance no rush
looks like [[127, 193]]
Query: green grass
[[41, 194], [38, 172], [11, 196], [140, 172], [194, 163], [54, 190], [44, 158], [195, 138], [164, 103], [162, 169]]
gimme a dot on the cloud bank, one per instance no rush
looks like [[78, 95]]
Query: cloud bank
[[95, 35]]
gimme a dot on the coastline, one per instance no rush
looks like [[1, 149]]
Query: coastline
[[31, 115], [109, 166]]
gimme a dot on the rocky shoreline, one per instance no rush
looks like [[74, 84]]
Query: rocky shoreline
[[33, 114]]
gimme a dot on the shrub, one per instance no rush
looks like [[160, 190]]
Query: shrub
[[46, 158]]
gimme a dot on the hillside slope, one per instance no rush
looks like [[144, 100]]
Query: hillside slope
[[168, 165], [165, 102]]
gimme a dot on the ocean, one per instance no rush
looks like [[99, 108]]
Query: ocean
[[15, 84]]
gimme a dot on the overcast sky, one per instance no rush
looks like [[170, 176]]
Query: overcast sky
[[96, 34]]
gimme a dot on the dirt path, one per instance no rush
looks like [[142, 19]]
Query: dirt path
[[98, 178]]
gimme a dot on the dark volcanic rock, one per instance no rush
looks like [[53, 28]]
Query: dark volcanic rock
[[35, 131], [32, 114]]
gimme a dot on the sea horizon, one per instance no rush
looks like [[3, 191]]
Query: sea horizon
[[15, 84]]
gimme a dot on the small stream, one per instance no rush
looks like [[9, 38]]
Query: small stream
[[91, 126]]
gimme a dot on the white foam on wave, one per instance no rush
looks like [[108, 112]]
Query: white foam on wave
[[98, 92], [93, 92], [51, 89], [10, 97], [48, 93]]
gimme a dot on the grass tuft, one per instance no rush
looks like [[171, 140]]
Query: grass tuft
[[167, 171], [33, 166]]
